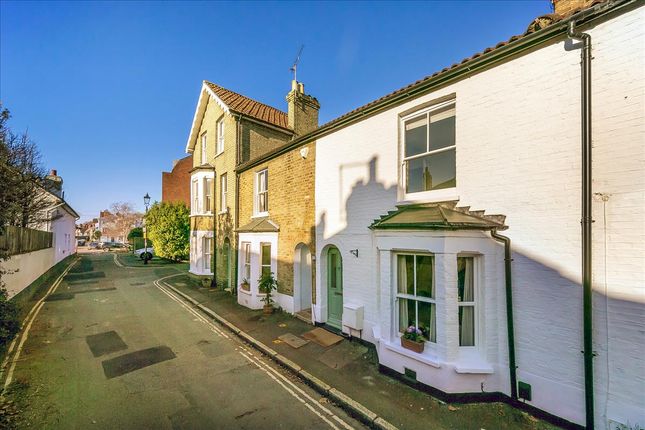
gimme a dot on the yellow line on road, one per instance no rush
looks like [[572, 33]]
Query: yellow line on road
[[22, 337]]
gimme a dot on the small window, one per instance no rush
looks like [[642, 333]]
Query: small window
[[466, 298], [204, 159], [223, 191], [262, 192], [416, 294], [265, 259], [246, 270], [220, 136], [208, 194], [207, 252], [195, 207], [429, 151]]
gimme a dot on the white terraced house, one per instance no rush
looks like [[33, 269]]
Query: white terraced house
[[405, 190]]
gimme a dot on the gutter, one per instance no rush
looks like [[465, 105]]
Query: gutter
[[512, 366], [447, 76], [586, 221]]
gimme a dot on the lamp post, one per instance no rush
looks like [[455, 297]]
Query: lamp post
[[146, 203]]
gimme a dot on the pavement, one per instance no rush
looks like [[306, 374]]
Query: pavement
[[348, 371], [112, 348]]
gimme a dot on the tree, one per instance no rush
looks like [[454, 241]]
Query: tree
[[120, 219], [96, 235], [135, 232], [23, 197], [168, 227]]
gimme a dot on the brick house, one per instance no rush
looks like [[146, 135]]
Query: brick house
[[276, 208], [228, 129], [397, 243], [175, 185]]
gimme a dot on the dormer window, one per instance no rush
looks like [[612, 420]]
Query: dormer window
[[429, 150]]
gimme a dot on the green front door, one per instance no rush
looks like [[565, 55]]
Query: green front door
[[334, 288]]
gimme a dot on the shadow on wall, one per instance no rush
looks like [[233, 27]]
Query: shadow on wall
[[547, 305]]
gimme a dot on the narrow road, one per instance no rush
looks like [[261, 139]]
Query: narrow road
[[112, 348]]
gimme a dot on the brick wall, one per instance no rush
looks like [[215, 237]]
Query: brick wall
[[175, 185], [291, 205], [258, 140]]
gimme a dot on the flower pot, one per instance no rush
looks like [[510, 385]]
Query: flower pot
[[206, 282], [245, 286], [267, 310], [412, 345]]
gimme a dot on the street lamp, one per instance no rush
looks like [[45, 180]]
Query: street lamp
[[146, 203]]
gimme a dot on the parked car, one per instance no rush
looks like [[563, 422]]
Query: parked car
[[94, 245], [143, 251], [112, 245]]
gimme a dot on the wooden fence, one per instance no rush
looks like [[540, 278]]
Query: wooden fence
[[19, 240]]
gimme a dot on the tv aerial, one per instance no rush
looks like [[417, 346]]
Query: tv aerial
[[294, 68]]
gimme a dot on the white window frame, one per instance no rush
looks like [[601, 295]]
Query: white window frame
[[220, 136], [207, 253], [223, 189], [204, 142], [475, 303], [414, 297], [262, 266], [428, 195], [258, 191], [195, 209], [208, 195], [246, 268]]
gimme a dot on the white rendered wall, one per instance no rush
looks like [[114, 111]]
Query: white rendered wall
[[518, 154], [26, 268], [64, 230]]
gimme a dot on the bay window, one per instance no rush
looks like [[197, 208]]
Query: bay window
[[208, 194], [207, 253], [466, 298], [246, 270], [195, 205], [429, 150], [265, 259], [416, 294]]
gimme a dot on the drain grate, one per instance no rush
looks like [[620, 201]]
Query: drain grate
[[105, 343], [127, 363]]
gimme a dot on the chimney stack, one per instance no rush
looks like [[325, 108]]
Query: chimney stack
[[55, 183], [568, 7], [303, 109]]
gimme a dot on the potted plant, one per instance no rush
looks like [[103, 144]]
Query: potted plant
[[412, 339], [245, 285], [266, 284], [206, 282]]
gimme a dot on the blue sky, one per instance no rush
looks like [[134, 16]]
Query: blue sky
[[108, 90]]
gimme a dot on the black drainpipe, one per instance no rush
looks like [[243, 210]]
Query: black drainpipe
[[586, 218], [512, 367]]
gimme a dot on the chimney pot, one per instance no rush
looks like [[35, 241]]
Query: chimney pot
[[53, 172]]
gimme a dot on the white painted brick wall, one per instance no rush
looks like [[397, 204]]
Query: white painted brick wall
[[518, 154]]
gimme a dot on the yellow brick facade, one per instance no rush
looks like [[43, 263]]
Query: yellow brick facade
[[257, 140], [291, 206]]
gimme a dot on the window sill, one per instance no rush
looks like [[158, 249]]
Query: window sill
[[223, 212], [425, 357], [202, 214], [474, 367], [444, 195], [260, 215]]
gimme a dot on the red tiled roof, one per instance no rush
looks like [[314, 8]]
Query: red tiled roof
[[249, 107]]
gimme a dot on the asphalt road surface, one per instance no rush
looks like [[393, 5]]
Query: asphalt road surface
[[113, 349]]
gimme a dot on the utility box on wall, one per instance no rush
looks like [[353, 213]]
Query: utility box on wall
[[353, 316]]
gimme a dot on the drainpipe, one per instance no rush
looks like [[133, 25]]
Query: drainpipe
[[586, 218], [214, 209], [512, 367]]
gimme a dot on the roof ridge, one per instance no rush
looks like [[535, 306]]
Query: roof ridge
[[243, 96]]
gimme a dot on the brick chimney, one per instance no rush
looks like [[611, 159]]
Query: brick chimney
[[567, 7], [55, 183], [303, 109]]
